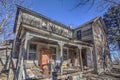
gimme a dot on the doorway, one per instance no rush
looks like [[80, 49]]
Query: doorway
[[45, 58], [84, 57]]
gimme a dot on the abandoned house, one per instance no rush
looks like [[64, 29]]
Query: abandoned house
[[47, 49]]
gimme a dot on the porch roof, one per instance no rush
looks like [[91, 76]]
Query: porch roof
[[53, 40]]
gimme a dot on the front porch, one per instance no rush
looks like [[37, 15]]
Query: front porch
[[50, 58]]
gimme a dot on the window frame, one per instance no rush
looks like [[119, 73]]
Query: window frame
[[44, 25], [79, 37], [28, 53], [55, 52], [65, 48]]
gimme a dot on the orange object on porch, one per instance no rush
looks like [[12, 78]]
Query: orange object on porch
[[45, 58]]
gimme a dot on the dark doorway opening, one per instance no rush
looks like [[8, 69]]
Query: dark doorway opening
[[84, 57]]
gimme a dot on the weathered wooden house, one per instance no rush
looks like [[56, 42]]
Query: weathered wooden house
[[47, 49]]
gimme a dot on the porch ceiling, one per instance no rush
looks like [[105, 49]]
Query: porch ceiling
[[70, 46], [48, 40], [42, 40], [36, 39]]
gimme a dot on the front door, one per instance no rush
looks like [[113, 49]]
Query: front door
[[45, 58], [84, 57]]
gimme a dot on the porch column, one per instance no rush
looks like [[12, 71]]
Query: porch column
[[21, 60], [61, 44], [80, 57], [91, 51], [19, 66], [28, 37], [25, 54]]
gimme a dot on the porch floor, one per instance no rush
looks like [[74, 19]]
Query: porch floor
[[37, 73]]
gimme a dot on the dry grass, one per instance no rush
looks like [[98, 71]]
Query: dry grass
[[113, 75]]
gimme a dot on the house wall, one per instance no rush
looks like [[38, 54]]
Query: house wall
[[86, 33], [97, 36], [5, 53], [100, 46], [46, 24], [89, 55]]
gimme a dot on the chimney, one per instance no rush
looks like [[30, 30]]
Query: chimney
[[70, 27]]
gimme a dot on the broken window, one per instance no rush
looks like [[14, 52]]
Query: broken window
[[79, 34], [44, 25]]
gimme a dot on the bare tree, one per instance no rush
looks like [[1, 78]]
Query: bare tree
[[100, 3], [7, 17]]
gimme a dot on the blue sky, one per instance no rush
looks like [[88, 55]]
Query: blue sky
[[62, 11]]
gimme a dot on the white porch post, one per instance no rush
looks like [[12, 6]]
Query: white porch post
[[80, 56], [23, 50], [25, 53], [28, 37], [61, 54], [20, 62]]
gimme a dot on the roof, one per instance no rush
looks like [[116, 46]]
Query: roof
[[20, 8], [89, 22]]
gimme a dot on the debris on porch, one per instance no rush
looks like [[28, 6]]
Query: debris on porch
[[37, 73]]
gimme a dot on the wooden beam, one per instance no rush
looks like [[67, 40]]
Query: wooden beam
[[20, 65], [25, 45], [91, 52], [80, 55], [61, 44]]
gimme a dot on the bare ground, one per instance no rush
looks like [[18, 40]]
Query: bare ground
[[113, 75]]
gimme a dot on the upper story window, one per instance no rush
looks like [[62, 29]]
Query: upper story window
[[79, 34], [44, 25], [52, 27]]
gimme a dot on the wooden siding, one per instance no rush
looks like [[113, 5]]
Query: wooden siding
[[44, 24], [86, 33], [100, 46]]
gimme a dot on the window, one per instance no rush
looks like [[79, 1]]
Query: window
[[79, 34], [51, 26], [64, 54], [44, 25], [32, 51], [53, 53]]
